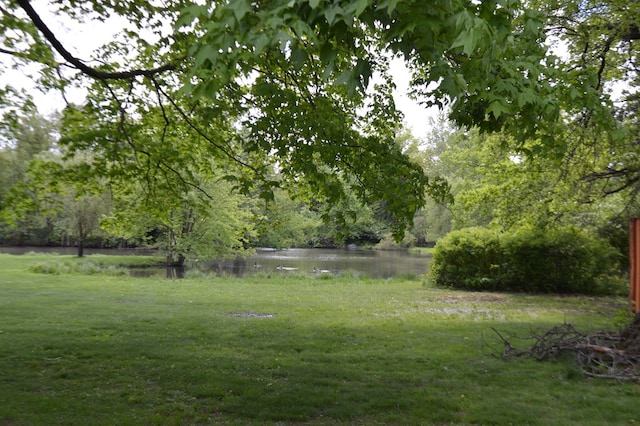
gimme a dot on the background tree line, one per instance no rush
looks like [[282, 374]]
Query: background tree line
[[51, 198]]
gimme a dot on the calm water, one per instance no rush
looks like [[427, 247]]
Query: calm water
[[374, 264]]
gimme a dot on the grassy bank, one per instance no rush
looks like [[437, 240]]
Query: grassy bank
[[105, 348], [422, 250]]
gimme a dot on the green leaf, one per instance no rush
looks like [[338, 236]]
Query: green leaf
[[345, 77], [189, 14], [466, 40], [261, 43], [328, 53], [574, 93], [314, 3], [359, 6], [298, 58], [240, 8], [332, 12], [390, 5], [526, 96], [363, 70], [206, 53], [498, 108]]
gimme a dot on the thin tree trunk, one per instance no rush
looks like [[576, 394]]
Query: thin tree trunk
[[80, 239]]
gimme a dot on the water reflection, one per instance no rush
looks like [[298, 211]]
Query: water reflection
[[371, 263], [374, 264]]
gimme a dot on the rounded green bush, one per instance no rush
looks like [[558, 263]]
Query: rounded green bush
[[467, 259], [528, 259]]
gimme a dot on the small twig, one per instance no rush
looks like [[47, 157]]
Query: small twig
[[509, 350]]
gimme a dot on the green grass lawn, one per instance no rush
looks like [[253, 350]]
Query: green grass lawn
[[87, 345]]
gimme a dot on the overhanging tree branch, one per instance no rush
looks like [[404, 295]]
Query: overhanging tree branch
[[198, 129], [80, 65], [623, 178]]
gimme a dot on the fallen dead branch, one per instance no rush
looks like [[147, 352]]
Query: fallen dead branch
[[602, 355]]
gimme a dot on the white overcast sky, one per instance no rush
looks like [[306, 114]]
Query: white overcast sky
[[417, 117]]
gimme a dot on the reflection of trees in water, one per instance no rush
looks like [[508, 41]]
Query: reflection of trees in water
[[231, 266], [363, 262]]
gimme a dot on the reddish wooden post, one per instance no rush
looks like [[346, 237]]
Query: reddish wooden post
[[634, 264]]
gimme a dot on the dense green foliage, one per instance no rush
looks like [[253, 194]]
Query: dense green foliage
[[495, 187], [51, 198], [288, 85], [192, 104], [559, 260]]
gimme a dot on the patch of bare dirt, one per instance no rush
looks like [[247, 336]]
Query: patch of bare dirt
[[250, 315], [472, 297]]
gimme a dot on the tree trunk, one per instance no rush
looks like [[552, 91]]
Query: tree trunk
[[175, 272], [175, 260], [80, 239]]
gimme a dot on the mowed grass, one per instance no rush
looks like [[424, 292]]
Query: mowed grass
[[109, 349]]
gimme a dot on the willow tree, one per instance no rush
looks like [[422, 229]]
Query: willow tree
[[287, 84]]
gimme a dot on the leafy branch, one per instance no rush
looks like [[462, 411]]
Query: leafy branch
[[80, 65]]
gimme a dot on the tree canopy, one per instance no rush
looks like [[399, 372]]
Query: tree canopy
[[297, 93], [279, 83]]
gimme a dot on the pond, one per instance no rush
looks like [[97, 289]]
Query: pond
[[371, 263]]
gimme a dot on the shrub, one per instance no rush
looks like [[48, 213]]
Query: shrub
[[44, 268], [389, 243], [83, 267], [467, 259], [560, 260]]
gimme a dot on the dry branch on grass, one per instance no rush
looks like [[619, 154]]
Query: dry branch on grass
[[603, 355]]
